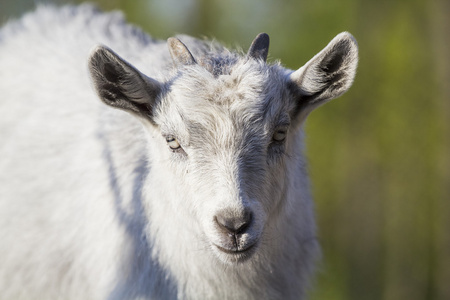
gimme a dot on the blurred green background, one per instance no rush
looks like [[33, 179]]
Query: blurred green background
[[379, 156]]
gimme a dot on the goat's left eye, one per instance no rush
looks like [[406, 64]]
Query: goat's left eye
[[280, 135], [173, 143]]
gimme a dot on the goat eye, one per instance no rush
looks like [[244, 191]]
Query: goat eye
[[173, 143], [279, 135]]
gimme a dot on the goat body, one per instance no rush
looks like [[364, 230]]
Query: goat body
[[194, 188]]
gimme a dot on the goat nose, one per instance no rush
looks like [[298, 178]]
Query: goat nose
[[232, 223]]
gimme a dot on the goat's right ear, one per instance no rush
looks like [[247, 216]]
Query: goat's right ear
[[327, 75], [120, 85]]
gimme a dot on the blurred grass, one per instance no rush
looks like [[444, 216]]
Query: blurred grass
[[379, 156]]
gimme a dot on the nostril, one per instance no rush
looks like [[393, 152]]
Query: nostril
[[246, 221], [232, 223]]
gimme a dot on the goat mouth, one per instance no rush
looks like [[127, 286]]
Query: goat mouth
[[238, 255]]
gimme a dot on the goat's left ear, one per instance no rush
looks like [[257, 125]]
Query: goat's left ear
[[327, 75], [121, 85]]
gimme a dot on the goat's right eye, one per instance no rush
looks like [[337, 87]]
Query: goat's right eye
[[173, 143], [280, 135]]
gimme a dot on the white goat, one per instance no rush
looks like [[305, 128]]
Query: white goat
[[197, 191]]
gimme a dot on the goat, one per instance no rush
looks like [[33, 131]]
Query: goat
[[195, 187]]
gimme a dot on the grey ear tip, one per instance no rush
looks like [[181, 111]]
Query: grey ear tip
[[348, 44], [99, 48], [348, 37], [98, 51]]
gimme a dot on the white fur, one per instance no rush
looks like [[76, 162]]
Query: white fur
[[94, 205]]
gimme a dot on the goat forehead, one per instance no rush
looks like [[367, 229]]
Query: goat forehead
[[245, 95], [226, 121]]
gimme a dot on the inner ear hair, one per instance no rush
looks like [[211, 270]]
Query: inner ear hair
[[329, 74], [121, 85]]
